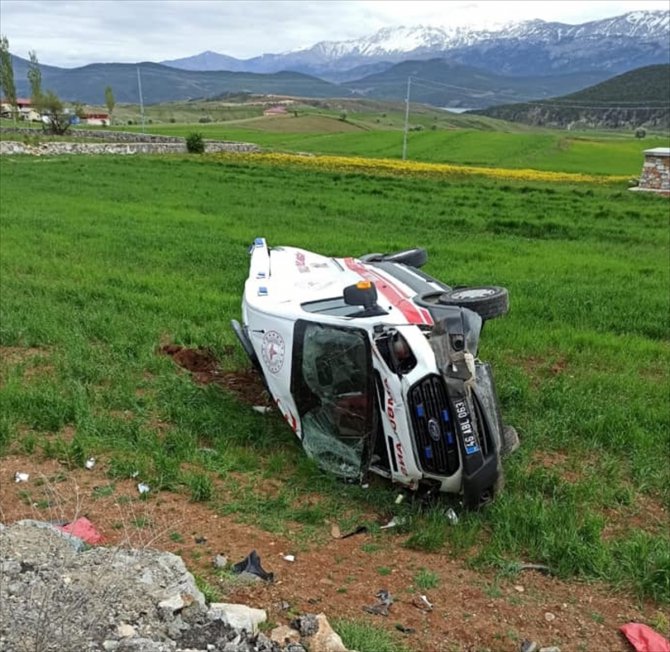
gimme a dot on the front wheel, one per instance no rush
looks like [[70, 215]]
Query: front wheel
[[488, 301]]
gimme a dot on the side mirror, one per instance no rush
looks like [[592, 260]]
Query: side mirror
[[364, 293]]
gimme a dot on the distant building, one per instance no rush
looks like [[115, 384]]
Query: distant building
[[655, 175], [99, 119], [275, 110], [24, 107]]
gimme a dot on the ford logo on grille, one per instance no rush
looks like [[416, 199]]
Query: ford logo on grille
[[434, 430]]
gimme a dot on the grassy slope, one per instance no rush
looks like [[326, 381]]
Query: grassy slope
[[102, 259], [540, 150]]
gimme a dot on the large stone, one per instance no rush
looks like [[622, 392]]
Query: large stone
[[326, 639], [284, 634], [238, 616]]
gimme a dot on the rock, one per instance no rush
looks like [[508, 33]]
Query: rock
[[519, 588], [325, 639], [170, 605], [553, 648], [109, 645], [125, 631], [220, 561], [549, 617], [284, 634], [238, 616], [529, 646], [307, 625]]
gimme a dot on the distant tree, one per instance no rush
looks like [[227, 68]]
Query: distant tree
[[343, 115], [110, 102], [7, 86], [56, 119], [640, 132], [78, 109], [35, 80]]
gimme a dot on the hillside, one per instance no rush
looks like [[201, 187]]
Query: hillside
[[164, 84], [637, 98], [443, 83]]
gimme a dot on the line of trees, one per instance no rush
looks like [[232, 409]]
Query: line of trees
[[56, 119]]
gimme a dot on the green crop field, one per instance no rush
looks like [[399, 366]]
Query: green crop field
[[605, 154], [102, 260]]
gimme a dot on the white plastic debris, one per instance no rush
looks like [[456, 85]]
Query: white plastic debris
[[261, 409], [134, 474], [90, 463], [399, 498], [394, 522], [288, 557], [21, 477], [427, 602], [452, 516], [143, 488]]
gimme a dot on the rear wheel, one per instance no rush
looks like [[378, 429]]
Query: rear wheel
[[488, 301]]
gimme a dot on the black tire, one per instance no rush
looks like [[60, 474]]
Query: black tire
[[488, 301]]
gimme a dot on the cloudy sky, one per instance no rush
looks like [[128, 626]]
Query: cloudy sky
[[70, 33]]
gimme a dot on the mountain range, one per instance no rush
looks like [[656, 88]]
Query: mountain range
[[455, 67], [526, 48]]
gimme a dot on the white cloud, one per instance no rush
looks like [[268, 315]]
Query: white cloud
[[71, 33]]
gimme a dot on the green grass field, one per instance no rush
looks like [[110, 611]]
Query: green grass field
[[104, 259], [536, 149]]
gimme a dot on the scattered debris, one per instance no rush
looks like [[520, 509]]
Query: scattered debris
[[644, 639], [549, 617], [551, 648], [399, 498], [135, 474], [261, 409], [288, 557], [21, 477], [381, 607], [396, 521], [199, 539], [90, 463], [542, 568], [143, 488], [83, 529], [518, 588], [336, 533], [251, 565], [452, 516], [405, 630], [423, 603]]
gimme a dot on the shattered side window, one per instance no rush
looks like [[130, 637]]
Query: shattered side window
[[332, 387]]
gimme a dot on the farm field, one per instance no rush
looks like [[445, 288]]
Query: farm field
[[536, 149], [105, 262]]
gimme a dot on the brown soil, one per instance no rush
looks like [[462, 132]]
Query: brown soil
[[246, 384], [472, 610]]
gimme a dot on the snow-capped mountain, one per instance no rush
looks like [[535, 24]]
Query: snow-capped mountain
[[615, 45]]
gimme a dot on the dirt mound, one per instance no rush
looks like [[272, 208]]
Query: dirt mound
[[245, 384]]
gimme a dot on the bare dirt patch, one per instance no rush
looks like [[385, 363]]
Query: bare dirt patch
[[540, 368], [246, 385], [472, 611], [32, 359]]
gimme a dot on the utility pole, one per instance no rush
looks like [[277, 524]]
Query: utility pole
[[404, 139], [139, 87]]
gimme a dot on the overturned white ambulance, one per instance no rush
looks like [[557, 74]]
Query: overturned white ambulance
[[374, 366]]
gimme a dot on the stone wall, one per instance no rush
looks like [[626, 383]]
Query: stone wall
[[56, 148], [656, 170], [98, 134]]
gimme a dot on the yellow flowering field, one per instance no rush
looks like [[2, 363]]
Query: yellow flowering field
[[414, 168]]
